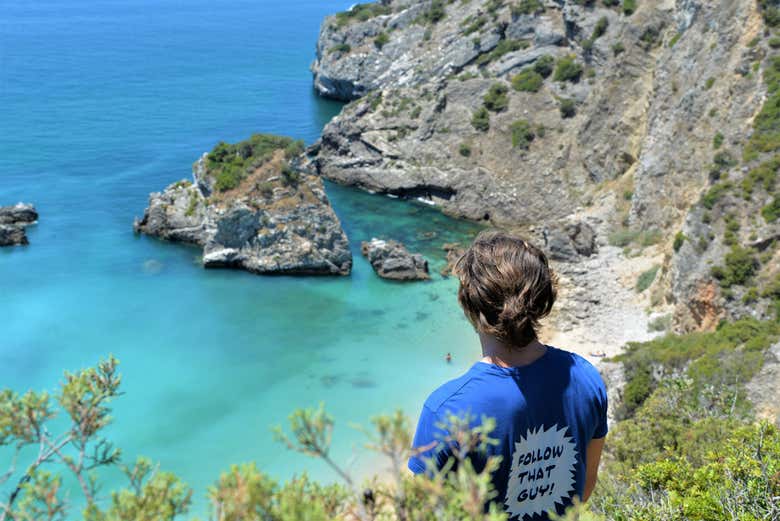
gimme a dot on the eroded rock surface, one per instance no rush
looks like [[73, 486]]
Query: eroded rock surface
[[525, 114], [268, 218], [13, 222], [391, 260]]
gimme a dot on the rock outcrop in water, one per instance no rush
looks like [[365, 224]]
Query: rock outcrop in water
[[646, 122], [251, 208], [391, 260], [13, 222]]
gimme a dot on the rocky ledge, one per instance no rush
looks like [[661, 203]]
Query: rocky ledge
[[13, 221], [391, 260], [251, 208]]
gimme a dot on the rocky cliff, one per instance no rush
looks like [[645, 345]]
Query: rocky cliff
[[542, 115], [250, 207]]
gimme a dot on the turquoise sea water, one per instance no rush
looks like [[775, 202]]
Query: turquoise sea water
[[104, 101]]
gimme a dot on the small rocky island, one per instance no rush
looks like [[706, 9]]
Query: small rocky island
[[251, 208], [391, 260], [13, 222]]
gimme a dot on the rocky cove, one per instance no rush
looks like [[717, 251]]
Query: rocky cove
[[554, 116], [603, 133], [210, 358]]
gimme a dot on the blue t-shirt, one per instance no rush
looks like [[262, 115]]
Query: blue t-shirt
[[546, 414]]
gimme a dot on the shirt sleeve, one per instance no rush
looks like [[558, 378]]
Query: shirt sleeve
[[429, 436], [601, 420]]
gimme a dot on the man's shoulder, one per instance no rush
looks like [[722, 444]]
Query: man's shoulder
[[579, 367], [448, 393]]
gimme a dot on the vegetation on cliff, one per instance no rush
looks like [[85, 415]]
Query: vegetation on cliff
[[231, 163]]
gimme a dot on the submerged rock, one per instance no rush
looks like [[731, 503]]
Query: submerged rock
[[454, 252], [13, 221], [391, 260], [250, 208]]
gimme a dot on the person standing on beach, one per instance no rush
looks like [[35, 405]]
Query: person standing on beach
[[550, 405]]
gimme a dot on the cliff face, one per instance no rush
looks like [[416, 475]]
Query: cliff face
[[530, 112], [250, 208]]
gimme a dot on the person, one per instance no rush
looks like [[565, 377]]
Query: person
[[549, 405], [448, 358]]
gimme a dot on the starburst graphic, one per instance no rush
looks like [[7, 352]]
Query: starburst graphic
[[543, 472]]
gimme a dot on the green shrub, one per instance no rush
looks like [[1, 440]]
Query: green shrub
[[679, 240], [629, 6], [568, 108], [766, 125], [771, 211], [740, 266], [618, 48], [435, 13], [774, 42], [750, 296], [374, 101], [622, 238], [362, 12], [481, 119], [544, 65], [600, 28], [717, 141], [496, 99], [381, 39], [464, 149], [650, 237], [525, 7], [527, 80], [522, 134], [230, 164], [674, 39], [192, 204], [340, 47], [660, 323], [266, 188], [473, 24], [646, 278], [764, 175], [770, 12], [651, 37], [290, 177], [714, 194], [503, 47], [722, 360], [709, 83], [568, 69]]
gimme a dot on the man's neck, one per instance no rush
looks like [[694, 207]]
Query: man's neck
[[498, 353]]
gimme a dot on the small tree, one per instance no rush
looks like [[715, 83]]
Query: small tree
[[527, 81], [568, 69], [496, 99], [481, 119], [568, 108]]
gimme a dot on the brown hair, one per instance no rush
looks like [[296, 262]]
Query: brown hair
[[506, 287]]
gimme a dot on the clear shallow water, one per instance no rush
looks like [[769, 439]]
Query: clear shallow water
[[102, 102]]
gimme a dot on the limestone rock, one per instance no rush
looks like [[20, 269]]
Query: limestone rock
[[654, 90], [276, 221], [13, 221], [568, 242], [391, 260], [454, 252]]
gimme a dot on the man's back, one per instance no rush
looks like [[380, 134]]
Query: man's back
[[546, 413]]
